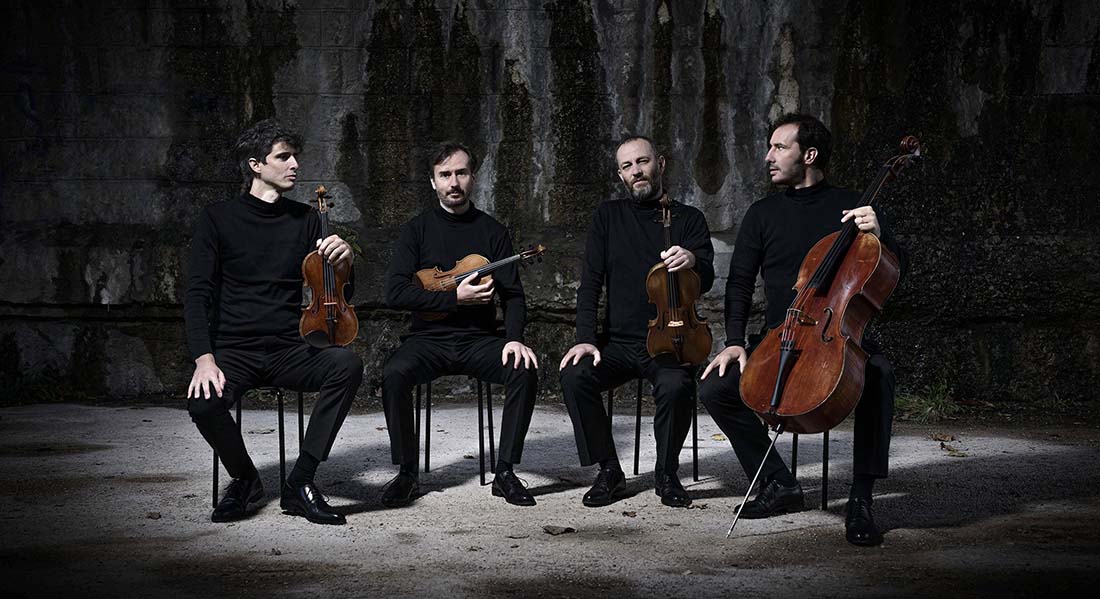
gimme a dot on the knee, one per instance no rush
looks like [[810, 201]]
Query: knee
[[579, 376], [346, 363], [523, 375], [717, 393], [674, 385], [206, 409]]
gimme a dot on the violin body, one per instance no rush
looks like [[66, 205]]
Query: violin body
[[677, 329], [825, 376], [434, 279], [328, 320]]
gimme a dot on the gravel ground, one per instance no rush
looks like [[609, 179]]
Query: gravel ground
[[103, 500]]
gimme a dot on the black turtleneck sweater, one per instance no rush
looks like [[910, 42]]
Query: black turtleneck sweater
[[625, 240], [244, 276], [776, 234], [437, 238]]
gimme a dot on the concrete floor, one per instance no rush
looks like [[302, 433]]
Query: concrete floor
[[103, 501]]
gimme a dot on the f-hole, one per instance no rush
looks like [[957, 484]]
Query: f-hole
[[825, 327]]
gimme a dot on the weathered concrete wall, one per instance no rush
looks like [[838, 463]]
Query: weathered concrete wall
[[117, 125]]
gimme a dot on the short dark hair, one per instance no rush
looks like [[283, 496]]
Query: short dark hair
[[812, 133], [635, 137], [257, 141], [447, 149]]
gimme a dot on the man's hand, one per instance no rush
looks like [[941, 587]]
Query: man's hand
[[866, 220], [677, 258], [724, 358], [521, 351], [206, 373], [471, 294], [335, 250], [579, 351]]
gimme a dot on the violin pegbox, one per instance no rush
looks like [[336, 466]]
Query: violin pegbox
[[531, 254]]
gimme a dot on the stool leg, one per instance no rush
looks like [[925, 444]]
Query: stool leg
[[214, 502], [825, 470], [638, 428], [481, 432], [416, 415], [610, 404], [282, 439], [695, 434], [301, 422], [794, 455], [428, 430], [492, 441]]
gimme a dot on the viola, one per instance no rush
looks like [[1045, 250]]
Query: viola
[[678, 329], [807, 375], [328, 320], [434, 279]]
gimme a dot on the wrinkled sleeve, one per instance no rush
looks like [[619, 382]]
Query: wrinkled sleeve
[[203, 276], [593, 269]]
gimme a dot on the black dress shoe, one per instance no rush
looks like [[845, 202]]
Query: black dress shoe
[[401, 490], [308, 502], [774, 499], [506, 485], [238, 495], [669, 489], [859, 524], [610, 485]]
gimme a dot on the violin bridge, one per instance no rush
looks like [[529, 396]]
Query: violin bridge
[[675, 323]]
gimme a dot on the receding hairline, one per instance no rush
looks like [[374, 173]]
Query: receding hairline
[[629, 140]]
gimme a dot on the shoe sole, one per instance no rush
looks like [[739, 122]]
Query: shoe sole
[[498, 493], [615, 496], [402, 502], [779, 512], [300, 514]]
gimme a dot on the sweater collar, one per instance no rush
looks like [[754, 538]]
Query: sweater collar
[[808, 193], [259, 206], [449, 217]]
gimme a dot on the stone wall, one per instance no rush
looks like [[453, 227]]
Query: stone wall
[[117, 125]]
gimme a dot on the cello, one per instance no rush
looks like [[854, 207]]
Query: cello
[[807, 375], [678, 329], [328, 320]]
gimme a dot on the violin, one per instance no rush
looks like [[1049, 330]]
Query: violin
[[328, 320], [678, 329], [807, 375], [434, 279]]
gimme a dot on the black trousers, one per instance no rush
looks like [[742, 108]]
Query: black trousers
[[421, 359], [874, 416], [620, 362], [334, 371]]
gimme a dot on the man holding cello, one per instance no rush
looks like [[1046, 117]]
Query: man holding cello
[[242, 309], [624, 241], [455, 331], [775, 235]]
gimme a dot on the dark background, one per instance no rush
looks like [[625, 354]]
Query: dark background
[[118, 118]]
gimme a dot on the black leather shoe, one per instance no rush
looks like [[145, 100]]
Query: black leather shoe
[[308, 502], [774, 499], [238, 495], [506, 485], [610, 485], [859, 524], [401, 490], [669, 489]]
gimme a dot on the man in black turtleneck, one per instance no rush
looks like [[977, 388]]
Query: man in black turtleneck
[[776, 234], [625, 240], [466, 339], [241, 309]]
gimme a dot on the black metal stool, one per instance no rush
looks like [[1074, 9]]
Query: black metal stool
[[824, 465], [482, 400], [638, 427], [282, 437]]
